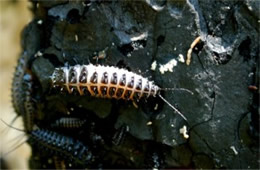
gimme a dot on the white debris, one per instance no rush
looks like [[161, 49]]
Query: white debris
[[181, 58], [184, 131], [76, 38], [39, 22], [154, 65], [155, 107], [149, 123], [38, 54], [168, 66], [140, 37], [234, 149]]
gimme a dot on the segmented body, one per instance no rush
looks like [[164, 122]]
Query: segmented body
[[29, 105], [68, 122], [120, 135], [17, 85], [67, 147], [22, 87], [103, 81]]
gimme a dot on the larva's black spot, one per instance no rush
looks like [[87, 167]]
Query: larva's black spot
[[83, 75], [104, 78], [66, 147], [74, 90], [94, 89], [127, 94], [112, 91], [139, 84], [119, 92], [93, 78], [72, 75], [122, 81], [131, 82], [114, 78], [103, 90], [84, 90]]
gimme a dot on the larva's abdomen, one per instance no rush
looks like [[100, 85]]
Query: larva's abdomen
[[68, 122], [103, 81], [65, 146], [29, 105], [17, 85]]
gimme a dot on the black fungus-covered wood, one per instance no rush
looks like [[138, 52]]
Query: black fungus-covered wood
[[222, 115]]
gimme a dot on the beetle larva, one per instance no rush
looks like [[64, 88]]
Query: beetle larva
[[29, 106], [17, 90], [106, 82], [103, 81], [65, 146], [68, 122]]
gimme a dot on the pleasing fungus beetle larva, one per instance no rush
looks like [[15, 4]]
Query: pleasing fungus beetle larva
[[29, 105], [65, 146], [22, 92], [68, 122], [106, 82], [17, 84]]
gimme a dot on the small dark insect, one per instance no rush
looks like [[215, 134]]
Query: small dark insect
[[105, 82], [64, 146], [68, 122], [120, 134]]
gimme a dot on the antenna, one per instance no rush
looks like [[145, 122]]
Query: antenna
[[21, 130], [12, 121], [5, 154], [176, 110]]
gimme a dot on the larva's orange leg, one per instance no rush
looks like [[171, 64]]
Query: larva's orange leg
[[135, 104], [193, 44]]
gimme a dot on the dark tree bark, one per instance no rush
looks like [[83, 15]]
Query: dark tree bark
[[222, 114]]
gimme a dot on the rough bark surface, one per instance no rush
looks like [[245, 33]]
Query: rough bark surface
[[222, 114]]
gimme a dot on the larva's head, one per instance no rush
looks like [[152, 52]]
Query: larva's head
[[58, 77]]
